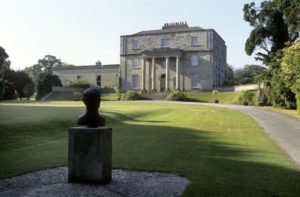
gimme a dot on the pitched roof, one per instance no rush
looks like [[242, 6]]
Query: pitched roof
[[83, 67]]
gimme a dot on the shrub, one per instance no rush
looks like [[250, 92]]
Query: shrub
[[246, 98], [130, 95], [77, 84], [176, 96]]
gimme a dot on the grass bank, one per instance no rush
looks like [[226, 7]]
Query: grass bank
[[222, 152], [222, 97], [77, 96]]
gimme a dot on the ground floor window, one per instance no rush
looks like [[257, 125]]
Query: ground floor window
[[98, 80], [195, 80], [135, 81]]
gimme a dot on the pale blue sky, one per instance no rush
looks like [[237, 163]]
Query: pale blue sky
[[80, 32]]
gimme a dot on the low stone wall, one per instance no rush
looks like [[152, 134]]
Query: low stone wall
[[66, 89], [107, 90], [237, 88]]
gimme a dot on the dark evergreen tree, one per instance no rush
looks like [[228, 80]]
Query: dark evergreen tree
[[45, 83], [273, 25]]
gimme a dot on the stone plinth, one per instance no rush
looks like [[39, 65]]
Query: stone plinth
[[90, 154]]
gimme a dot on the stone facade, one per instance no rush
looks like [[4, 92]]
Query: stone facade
[[101, 75], [175, 57]]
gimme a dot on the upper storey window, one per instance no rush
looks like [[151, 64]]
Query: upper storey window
[[135, 44], [164, 43], [194, 60], [194, 40]]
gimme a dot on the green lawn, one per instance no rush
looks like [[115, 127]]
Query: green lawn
[[77, 96], [223, 97], [222, 152], [66, 96]]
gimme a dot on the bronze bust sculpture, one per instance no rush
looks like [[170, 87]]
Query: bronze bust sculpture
[[91, 118]]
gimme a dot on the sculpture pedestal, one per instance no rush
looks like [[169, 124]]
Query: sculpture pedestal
[[90, 154]]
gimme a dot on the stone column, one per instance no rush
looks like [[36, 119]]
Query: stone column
[[153, 74], [143, 74], [167, 73], [177, 73]]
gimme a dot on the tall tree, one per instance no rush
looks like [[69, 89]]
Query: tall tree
[[45, 83], [273, 25], [3, 56], [21, 81], [4, 67], [33, 72], [49, 62]]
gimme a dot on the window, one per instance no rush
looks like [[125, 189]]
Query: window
[[135, 63], [194, 60], [195, 80], [164, 43], [78, 77], [194, 40], [135, 44], [135, 81], [98, 80]]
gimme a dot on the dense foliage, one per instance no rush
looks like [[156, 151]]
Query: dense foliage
[[247, 98], [49, 62], [229, 75], [130, 95], [78, 84], [4, 67], [248, 74], [176, 96], [45, 83], [21, 81], [290, 64], [275, 25]]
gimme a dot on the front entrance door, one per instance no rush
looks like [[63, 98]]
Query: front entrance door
[[162, 83]]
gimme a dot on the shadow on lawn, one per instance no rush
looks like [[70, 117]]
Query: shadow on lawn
[[215, 168]]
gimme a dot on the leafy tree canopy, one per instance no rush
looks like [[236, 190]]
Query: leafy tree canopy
[[275, 23], [34, 71], [248, 74], [49, 62], [45, 83], [4, 68], [290, 63], [3, 56], [21, 81]]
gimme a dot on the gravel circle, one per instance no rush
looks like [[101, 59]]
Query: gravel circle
[[54, 182]]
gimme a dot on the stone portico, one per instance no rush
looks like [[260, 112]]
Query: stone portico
[[155, 69]]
